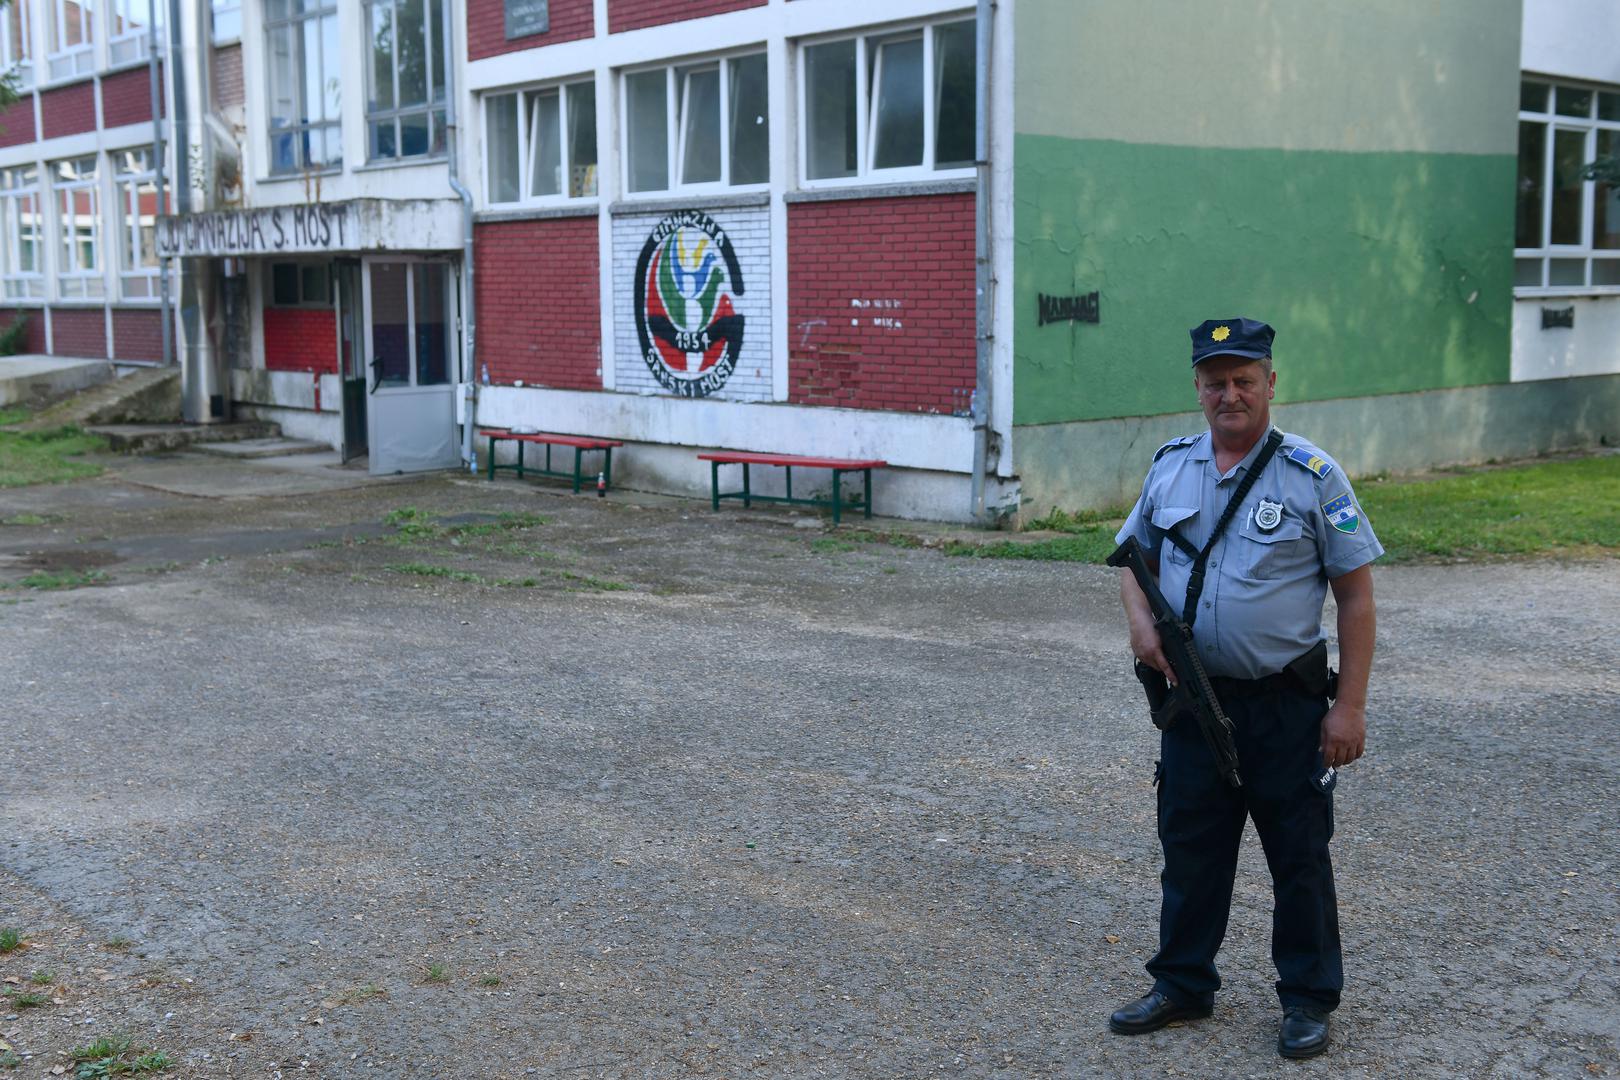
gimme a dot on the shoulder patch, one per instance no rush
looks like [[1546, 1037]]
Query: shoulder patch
[[1307, 460], [1174, 444], [1341, 513]]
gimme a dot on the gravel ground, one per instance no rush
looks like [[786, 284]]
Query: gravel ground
[[641, 790]]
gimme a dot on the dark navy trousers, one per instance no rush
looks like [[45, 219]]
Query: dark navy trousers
[[1201, 820]]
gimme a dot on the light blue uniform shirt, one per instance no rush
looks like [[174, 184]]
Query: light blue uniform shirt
[[1263, 588]]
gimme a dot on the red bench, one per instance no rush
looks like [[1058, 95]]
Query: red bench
[[839, 467], [580, 443]]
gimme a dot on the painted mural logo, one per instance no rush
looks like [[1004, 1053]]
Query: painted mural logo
[[687, 279]]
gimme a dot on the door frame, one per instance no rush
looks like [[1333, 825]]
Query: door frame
[[453, 330]]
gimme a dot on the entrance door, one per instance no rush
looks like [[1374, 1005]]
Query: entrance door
[[409, 328], [351, 358]]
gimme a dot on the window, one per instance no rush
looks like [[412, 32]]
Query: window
[[541, 144], [72, 34], [306, 91], [22, 234], [131, 29], [891, 106], [1567, 228], [405, 79], [227, 20], [300, 285], [698, 126], [78, 273], [16, 41], [138, 208]]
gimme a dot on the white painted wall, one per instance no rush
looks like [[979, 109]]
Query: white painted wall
[[1591, 348], [1579, 39]]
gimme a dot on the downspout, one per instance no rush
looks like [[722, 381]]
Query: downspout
[[469, 322], [154, 68], [982, 307]]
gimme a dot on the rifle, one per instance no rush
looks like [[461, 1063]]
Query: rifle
[[1192, 692]]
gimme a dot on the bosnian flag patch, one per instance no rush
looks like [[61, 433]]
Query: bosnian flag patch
[[1341, 513]]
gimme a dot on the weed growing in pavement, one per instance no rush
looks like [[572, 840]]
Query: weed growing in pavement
[[359, 994], [9, 1059], [119, 941], [490, 980], [416, 527], [25, 519], [116, 1056], [10, 938], [828, 545], [42, 978], [436, 973], [26, 1000], [47, 580], [46, 457], [428, 570], [585, 581]]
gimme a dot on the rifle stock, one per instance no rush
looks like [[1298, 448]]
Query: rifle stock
[[1192, 692]]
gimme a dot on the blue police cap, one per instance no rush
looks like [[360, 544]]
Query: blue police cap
[[1231, 337]]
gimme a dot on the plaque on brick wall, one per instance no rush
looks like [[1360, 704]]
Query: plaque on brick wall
[[525, 17]]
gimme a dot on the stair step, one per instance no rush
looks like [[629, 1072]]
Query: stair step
[[262, 448], [155, 438]]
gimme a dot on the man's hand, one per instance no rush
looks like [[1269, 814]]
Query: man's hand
[[1344, 734], [1144, 635]]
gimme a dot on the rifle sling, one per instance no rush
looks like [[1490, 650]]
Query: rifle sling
[[1195, 581]]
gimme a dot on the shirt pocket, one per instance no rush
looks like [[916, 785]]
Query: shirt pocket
[[1163, 518], [1282, 552]]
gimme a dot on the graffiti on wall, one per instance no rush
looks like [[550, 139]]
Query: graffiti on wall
[[687, 286]]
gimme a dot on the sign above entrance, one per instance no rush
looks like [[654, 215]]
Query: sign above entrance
[[525, 17], [352, 225]]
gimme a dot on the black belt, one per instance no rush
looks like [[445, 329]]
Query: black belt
[[1282, 682]]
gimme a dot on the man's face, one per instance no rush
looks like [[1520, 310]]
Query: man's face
[[1235, 394]]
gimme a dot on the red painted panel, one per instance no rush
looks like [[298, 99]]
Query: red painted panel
[[300, 339], [34, 336], [539, 302], [17, 123], [137, 334], [79, 332], [126, 98], [68, 111], [486, 27], [634, 14], [880, 303]]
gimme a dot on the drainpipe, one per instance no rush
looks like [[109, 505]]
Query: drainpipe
[[154, 67], [982, 308], [469, 322]]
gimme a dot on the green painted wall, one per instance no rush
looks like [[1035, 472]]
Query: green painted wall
[[1343, 170]]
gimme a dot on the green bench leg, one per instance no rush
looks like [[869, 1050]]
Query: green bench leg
[[578, 453], [607, 468], [520, 459], [714, 486], [789, 483], [492, 457], [747, 497], [868, 494], [838, 496]]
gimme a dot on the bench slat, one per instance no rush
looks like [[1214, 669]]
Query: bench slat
[[749, 458], [583, 442]]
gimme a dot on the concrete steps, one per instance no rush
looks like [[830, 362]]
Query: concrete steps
[[156, 438], [253, 449], [151, 395]]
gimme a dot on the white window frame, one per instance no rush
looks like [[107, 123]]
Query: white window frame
[[75, 60], [126, 186], [132, 45], [21, 286], [526, 147], [229, 28], [331, 68], [435, 108], [75, 285], [1553, 122], [675, 112], [866, 103], [18, 56]]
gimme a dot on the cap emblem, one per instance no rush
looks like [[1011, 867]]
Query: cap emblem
[[1220, 333]]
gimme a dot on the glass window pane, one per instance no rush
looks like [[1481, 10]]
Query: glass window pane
[[283, 77], [898, 128], [648, 132], [1608, 106], [382, 58], [410, 52], [413, 135], [1573, 101], [1569, 158], [436, 143], [390, 324], [829, 93], [954, 73], [383, 142], [312, 287], [582, 140], [436, 48], [1606, 271], [749, 121], [700, 126], [334, 147], [1532, 166], [284, 283], [545, 144], [432, 325], [1533, 97], [1606, 198], [331, 66], [501, 143], [309, 42], [1566, 272], [1527, 272]]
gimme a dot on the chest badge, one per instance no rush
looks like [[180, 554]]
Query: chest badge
[[1268, 515]]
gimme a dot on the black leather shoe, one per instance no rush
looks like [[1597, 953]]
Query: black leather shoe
[[1152, 1013], [1304, 1032]]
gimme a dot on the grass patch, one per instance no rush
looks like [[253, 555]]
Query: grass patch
[[428, 570], [10, 939], [490, 980], [119, 941], [21, 999], [436, 973], [44, 457], [25, 519], [1534, 509], [417, 527], [830, 545], [47, 580], [586, 581], [42, 978], [1090, 547], [116, 1056], [359, 994]]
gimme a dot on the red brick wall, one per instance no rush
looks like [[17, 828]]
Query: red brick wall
[[137, 335], [634, 14], [69, 110], [228, 77], [34, 336], [300, 339], [486, 27], [80, 332], [17, 123], [539, 302], [126, 98], [880, 303]]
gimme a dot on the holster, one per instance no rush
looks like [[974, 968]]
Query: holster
[[1310, 672]]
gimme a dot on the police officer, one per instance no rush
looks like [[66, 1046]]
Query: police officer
[[1256, 611]]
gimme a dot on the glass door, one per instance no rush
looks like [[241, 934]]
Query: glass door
[[410, 343], [351, 358]]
